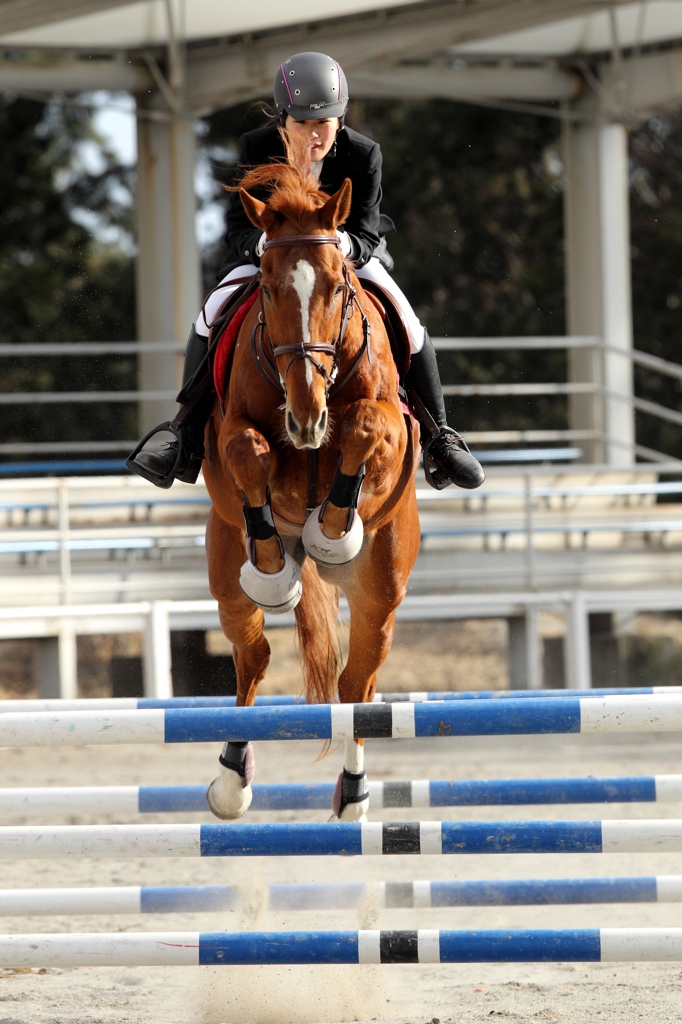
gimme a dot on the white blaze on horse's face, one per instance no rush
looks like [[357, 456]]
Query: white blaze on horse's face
[[303, 280], [311, 433]]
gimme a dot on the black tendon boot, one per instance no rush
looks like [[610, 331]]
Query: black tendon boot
[[162, 468], [446, 457]]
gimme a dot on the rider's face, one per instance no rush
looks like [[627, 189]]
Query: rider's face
[[318, 135]]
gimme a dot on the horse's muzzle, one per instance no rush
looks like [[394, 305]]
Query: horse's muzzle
[[308, 435]]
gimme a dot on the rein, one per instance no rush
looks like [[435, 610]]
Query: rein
[[267, 362]]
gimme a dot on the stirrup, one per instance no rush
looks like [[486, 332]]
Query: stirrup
[[430, 479], [160, 481]]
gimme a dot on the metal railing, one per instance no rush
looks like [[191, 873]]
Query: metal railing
[[131, 349], [100, 520], [596, 344], [156, 619]]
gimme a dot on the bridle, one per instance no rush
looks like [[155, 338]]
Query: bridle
[[267, 361]]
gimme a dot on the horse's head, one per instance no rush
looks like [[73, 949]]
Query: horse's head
[[304, 291]]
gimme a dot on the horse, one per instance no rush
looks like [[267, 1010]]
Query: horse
[[310, 466]]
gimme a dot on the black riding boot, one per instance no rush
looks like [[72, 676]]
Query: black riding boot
[[447, 459], [162, 468]]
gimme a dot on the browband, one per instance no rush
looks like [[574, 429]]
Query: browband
[[304, 239]]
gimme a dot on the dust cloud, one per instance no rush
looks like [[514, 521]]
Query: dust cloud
[[314, 994]]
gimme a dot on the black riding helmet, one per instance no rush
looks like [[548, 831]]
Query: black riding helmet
[[311, 85]]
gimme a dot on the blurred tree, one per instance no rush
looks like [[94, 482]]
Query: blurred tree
[[66, 269], [219, 149]]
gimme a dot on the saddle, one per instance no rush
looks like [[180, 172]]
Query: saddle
[[224, 332], [213, 371], [395, 325]]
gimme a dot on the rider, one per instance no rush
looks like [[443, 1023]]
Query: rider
[[311, 96]]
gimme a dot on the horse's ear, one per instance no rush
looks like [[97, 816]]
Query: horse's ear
[[259, 213], [335, 211]]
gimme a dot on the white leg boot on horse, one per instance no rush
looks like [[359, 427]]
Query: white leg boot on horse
[[344, 496], [333, 534], [351, 798]]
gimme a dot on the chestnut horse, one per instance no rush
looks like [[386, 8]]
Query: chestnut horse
[[311, 458]]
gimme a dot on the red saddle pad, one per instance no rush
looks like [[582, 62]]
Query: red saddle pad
[[226, 344]]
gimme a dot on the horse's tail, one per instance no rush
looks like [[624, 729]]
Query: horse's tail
[[317, 638]]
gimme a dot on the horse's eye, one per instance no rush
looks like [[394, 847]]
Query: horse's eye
[[338, 289], [266, 292]]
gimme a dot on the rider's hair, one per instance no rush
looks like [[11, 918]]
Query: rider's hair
[[289, 180]]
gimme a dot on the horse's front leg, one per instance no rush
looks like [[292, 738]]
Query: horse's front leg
[[333, 533], [229, 795], [269, 579]]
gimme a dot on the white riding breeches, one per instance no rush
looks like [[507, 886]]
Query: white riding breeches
[[372, 271], [376, 272], [220, 293]]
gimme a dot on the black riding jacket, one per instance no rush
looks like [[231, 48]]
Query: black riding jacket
[[357, 158]]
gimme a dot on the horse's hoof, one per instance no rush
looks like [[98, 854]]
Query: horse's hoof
[[276, 592], [226, 796], [332, 552]]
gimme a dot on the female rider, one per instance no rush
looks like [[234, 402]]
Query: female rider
[[311, 97]]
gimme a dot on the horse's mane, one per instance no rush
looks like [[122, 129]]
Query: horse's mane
[[291, 185]]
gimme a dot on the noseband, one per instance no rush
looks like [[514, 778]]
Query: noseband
[[267, 362]]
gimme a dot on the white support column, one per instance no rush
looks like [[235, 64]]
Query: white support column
[[599, 303], [158, 680], [618, 376], [533, 649], [578, 669], [169, 289], [525, 651], [68, 672]]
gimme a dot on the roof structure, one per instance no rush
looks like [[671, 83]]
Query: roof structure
[[559, 27], [628, 26], [195, 57], [205, 54]]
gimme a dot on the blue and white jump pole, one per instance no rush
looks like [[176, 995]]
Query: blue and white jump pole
[[277, 700], [174, 899], [579, 945], [41, 802], [642, 713], [341, 838]]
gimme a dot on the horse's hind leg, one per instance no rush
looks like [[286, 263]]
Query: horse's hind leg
[[230, 794]]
